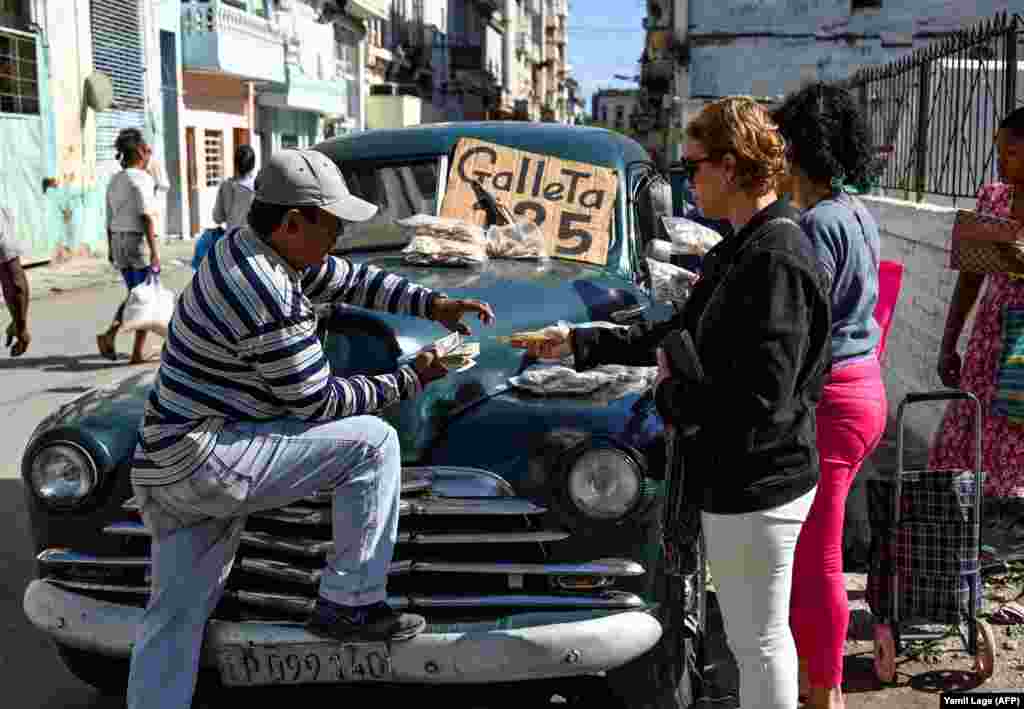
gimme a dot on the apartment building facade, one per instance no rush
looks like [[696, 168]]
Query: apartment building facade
[[699, 50]]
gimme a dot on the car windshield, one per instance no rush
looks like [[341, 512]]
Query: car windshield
[[399, 189]]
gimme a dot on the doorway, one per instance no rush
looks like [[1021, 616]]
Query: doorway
[[193, 179], [240, 136]]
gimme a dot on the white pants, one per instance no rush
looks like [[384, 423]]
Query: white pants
[[751, 560]]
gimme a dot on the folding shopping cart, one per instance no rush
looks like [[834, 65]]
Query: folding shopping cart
[[925, 552]]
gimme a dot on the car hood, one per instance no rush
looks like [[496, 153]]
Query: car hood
[[523, 295]]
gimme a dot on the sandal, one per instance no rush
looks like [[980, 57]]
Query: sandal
[[106, 346], [147, 359], [1011, 613]]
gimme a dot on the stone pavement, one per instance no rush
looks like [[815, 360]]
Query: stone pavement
[[86, 272]]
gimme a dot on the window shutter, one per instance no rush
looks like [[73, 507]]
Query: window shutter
[[119, 52]]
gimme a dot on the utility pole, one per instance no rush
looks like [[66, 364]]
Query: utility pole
[[681, 84]]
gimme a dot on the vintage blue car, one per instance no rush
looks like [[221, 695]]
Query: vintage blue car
[[531, 528]]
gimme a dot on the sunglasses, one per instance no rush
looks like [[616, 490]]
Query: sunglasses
[[690, 167]]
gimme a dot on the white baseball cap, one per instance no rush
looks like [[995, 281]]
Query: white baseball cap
[[308, 178]]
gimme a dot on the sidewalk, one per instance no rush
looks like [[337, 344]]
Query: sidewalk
[[80, 272]]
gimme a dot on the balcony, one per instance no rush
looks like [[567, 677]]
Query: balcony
[[219, 38]]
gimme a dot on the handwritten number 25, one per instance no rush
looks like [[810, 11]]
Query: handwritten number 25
[[566, 232]]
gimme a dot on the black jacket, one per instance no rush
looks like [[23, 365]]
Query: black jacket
[[761, 321]]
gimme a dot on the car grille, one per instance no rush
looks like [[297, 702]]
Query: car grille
[[467, 545]]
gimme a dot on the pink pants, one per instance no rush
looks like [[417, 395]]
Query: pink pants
[[851, 421]]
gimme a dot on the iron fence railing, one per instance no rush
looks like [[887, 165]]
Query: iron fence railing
[[934, 113]]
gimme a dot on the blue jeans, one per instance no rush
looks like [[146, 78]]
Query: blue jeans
[[197, 523]]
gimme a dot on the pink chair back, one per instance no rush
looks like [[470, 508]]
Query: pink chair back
[[890, 279]]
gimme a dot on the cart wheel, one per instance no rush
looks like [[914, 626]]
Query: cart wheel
[[885, 653], [985, 660]]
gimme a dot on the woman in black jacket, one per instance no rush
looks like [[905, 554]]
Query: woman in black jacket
[[760, 319]]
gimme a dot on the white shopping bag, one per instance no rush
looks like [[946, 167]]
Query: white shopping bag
[[150, 306]]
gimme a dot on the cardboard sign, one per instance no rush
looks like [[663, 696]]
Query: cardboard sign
[[571, 202]]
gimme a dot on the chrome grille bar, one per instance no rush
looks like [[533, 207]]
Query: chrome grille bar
[[66, 557], [441, 480], [608, 568], [319, 547], [303, 604], [291, 572], [501, 506]]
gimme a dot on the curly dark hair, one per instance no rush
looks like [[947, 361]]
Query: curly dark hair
[[1014, 124], [245, 160], [827, 134], [129, 145]]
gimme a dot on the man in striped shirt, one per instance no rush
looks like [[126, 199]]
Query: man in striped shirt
[[245, 416]]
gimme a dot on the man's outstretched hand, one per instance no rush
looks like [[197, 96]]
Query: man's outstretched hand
[[449, 312]]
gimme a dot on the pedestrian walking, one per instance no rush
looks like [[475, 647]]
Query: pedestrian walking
[[827, 146], [245, 415], [14, 286], [760, 319], [235, 195], [131, 232]]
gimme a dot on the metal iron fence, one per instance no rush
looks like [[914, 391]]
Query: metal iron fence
[[934, 113]]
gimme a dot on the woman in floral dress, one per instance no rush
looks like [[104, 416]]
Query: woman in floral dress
[[1003, 439]]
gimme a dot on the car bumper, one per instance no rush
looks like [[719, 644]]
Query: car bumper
[[536, 652]]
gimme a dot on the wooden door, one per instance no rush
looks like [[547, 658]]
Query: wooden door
[[241, 136], [193, 179]]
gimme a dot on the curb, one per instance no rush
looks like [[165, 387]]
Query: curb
[[82, 273]]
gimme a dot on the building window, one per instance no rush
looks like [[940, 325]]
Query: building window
[[289, 140], [604, 115], [19, 90], [14, 14], [214, 152], [346, 58], [858, 5]]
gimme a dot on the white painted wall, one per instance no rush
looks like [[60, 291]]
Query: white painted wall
[[316, 53], [226, 123]]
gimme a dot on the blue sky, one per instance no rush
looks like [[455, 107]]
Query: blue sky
[[605, 38]]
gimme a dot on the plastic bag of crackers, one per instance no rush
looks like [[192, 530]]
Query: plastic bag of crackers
[[519, 240], [438, 241]]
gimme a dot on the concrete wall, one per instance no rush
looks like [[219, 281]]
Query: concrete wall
[[394, 111], [918, 236]]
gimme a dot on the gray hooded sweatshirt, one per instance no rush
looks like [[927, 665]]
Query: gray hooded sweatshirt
[[233, 201]]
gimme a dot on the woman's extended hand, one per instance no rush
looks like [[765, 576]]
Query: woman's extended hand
[[550, 343]]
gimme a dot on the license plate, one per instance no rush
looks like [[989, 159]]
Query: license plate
[[303, 663]]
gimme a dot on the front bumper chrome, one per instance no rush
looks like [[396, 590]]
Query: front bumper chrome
[[535, 652]]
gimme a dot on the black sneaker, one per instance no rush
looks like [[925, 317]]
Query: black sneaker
[[377, 621]]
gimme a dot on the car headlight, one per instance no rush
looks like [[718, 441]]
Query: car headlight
[[604, 483], [63, 474]]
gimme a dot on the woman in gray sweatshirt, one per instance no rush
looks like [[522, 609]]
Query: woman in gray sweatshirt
[[236, 194]]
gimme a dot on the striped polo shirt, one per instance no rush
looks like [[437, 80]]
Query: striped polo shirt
[[243, 346]]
